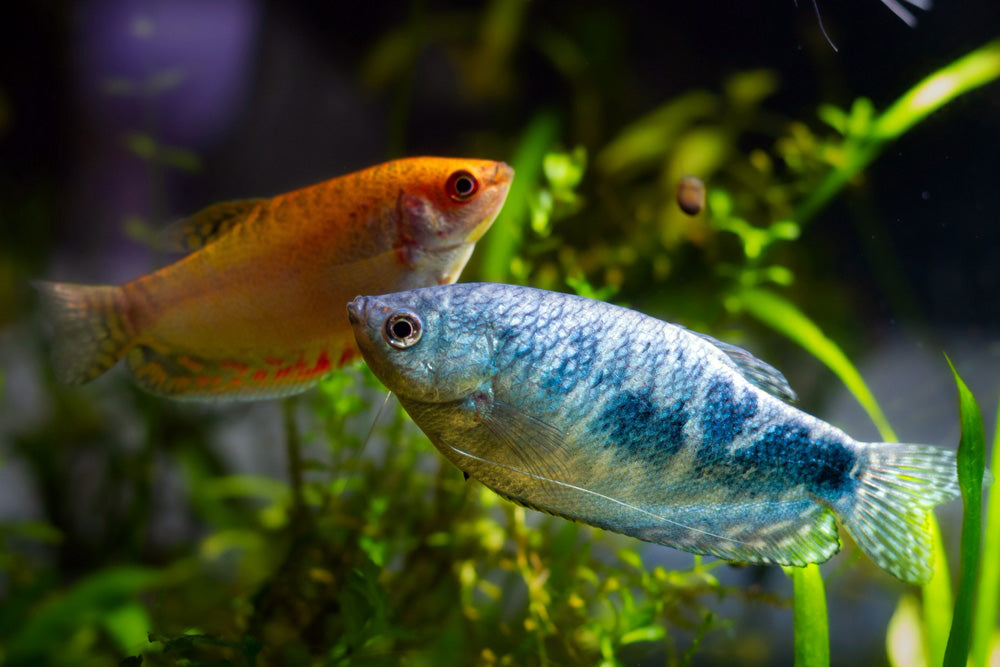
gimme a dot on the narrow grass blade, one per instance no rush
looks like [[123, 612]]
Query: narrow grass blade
[[937, 600], [971, 463], [988, 602], [786, 319], [812, 640]]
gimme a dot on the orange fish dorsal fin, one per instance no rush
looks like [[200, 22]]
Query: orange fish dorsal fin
[[197, 231], [187, 376]]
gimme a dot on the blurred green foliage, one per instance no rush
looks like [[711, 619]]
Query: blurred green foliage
[[374, 550]]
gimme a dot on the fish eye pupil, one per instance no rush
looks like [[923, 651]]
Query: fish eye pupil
[[462, 186], [402, 329]]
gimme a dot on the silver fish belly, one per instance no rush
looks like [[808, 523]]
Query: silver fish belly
[[603, 415]]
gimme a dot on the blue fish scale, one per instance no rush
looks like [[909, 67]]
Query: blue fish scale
[[603, 415]]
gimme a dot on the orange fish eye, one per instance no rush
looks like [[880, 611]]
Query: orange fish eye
[[402, 329], [462, 185]]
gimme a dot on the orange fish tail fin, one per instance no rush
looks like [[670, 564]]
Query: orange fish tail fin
[[90, 332]]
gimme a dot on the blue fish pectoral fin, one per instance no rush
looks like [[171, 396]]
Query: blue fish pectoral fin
[[538, 446], [197, 231], [757, 372]]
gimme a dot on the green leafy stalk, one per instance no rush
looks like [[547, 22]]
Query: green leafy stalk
[[988, 602], [500, 246], [967, 73], [971, 462], [812, 640], [789, 321]]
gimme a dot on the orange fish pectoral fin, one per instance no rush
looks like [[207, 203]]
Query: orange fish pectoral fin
[[187, 376], [197, 231], [91, 329]]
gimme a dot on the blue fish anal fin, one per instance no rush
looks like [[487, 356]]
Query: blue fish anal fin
[[760, 374], [897, 485], [785, 533]]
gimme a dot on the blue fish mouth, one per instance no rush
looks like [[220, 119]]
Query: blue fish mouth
[[355, 309]]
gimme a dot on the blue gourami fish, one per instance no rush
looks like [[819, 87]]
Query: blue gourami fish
[[601, 414], [244, 315]]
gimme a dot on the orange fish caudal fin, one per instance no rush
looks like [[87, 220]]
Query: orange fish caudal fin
[[91, 332], [256, 307]]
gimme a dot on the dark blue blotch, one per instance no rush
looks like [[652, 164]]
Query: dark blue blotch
[[785, 456], [722, 419], [635, 426]]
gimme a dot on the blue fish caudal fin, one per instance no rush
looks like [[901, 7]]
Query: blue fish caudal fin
[[897, 486], [90, 333]]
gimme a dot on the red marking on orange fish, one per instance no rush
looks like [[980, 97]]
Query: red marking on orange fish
[[234, 366], [348, 355], [260, 376], [192, 365]]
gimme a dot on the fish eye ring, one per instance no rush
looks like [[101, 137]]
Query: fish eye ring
[[402, 329], [462, 185]]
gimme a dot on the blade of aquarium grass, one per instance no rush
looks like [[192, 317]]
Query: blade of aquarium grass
[[971, 463], [786, 319], [499, 247], [988, 602], [936, 597], [967, 73], [812, 640]]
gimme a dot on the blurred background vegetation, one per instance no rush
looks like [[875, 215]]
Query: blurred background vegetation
[[133, 528]]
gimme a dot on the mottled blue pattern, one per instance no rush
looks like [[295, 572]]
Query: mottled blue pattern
[[575, 365], [786, 456], [724, 417], [638, 428]]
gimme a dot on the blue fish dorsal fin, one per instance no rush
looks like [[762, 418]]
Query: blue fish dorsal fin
[[758, 373], [207, 225]]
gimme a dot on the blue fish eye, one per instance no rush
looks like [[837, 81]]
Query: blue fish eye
[[402, 329]]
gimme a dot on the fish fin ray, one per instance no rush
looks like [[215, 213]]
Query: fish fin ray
[[186, 376], [90, 328], [896, 490], [538, 445], [759, 373], [207, 225]]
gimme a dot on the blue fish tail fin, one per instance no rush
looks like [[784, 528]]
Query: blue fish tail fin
[[91, 331], [897, 486]]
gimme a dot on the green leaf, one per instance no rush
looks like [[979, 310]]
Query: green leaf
[[988, 602], [812, 641], [651, 633], [971, 463]]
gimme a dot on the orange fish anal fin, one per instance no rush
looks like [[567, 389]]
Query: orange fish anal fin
[[92, 331], [197, 231], [185, 376]]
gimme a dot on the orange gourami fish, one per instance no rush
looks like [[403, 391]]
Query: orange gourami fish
[[256, 309]]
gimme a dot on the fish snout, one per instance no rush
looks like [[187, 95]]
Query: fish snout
[[503, 173], [355, 309]]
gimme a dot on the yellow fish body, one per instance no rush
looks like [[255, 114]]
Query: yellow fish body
[[256, 309]]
